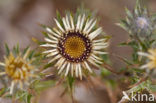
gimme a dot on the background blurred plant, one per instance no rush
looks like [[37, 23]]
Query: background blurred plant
[[140, 25], [20, 69]]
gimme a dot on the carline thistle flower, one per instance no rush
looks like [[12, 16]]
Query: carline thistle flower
[[74, 44], [142, 22], [151, 55], [138, 22], [18, 68]]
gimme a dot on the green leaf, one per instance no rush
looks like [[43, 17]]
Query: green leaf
[[25, 50], [138, 70], [16, 50], [123, 24], [135, 57], [59, 18], [105, 72], [71, 81], [37, 41], [105, 57], [136, 8], [48, 65], [111, 83], [123, 44], [43, 26], [23, 96], [152, 41], [152, 88], [41, 85], [2, 91], [31, 54], [134, 45], [28, 98], [7, 50], [129, 14], [153, 18]]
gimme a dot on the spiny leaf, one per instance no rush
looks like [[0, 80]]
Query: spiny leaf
[[129, 14], [123, 24], [138, 70], [44, 26], [153, 17], [48, 65], [7, 50], [28, 98], [123, 44], [153, 88], [105, 72], [41, 85], [16, 50], [2, 91], [71, 81], [152, 41], [45, 34], [25, 50], [31, 54], [59, 18], [37, 41]]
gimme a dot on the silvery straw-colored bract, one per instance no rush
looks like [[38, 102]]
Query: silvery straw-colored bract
[[151, 56]]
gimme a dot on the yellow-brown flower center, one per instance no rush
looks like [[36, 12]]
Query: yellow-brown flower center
[[16, 68], [74, 46]]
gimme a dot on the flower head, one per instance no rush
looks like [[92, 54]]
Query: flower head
[[142, 22], [151, 55], [74, 44], [18, 68], [138, 22]]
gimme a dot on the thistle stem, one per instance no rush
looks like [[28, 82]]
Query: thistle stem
[[141, 81], [109, 68], [70, 86]]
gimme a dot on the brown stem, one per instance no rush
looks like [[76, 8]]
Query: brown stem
[[13, 100], [109, 68], [138, 83], [73, 101], [121, 58], [63, 93], [71, 92], [59, 82]]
